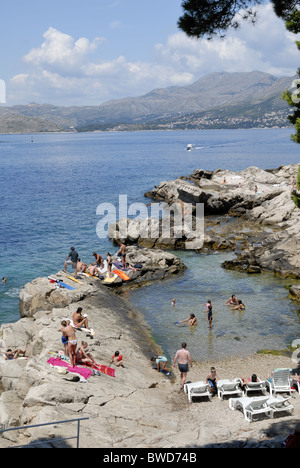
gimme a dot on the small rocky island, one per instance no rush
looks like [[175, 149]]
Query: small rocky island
[[251, 214]]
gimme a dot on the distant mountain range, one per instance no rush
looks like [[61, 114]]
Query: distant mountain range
[[218, 100]]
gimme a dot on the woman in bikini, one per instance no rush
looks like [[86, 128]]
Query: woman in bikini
[[79, 320], [109, 264]]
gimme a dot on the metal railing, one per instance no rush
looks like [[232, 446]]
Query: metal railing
[[47, 424]]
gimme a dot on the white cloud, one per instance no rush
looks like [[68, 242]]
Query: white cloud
[[266, 47], [61, 51], [2, 92], [67, 71]]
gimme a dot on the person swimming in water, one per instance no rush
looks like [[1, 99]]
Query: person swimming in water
[[239, 306], [232, 301], [191, 320]]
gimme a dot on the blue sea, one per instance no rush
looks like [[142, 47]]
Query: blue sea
[[51, 186]]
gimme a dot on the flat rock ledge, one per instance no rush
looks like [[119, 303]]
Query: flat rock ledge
[[153, 265]]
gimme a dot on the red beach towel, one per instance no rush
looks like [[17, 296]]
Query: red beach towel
[[104, 369]]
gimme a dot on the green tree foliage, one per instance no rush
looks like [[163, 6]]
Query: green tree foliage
[[285, 8], [206, 18], [296, 193], [293, 96]]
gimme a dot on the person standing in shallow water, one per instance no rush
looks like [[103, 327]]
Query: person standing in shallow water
[[209, 313]]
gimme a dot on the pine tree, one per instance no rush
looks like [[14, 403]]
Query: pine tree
[[296, 193], [207, 18], [293, 97]]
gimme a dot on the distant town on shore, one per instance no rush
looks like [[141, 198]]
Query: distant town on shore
[[215, 101]]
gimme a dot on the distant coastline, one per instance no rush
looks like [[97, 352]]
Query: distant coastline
[[218, 100]]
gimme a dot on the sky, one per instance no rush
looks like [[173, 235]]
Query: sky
[[70, 52]]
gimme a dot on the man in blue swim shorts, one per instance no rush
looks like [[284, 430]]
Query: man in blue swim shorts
[[184, 358]]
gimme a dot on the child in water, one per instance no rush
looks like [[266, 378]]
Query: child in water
[[209, 308]]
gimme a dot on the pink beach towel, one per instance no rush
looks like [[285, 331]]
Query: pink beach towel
[[84, 372]]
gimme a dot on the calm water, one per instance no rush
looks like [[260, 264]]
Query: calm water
[[52, 186], [270, 321]]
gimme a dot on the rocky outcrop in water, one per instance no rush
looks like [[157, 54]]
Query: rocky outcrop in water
[[259, 200]]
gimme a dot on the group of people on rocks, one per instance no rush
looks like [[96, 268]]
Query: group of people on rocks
[[97, 266], [80, 354]]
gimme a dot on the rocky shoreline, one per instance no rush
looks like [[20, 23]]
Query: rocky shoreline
[[140, 407], [119, 408]]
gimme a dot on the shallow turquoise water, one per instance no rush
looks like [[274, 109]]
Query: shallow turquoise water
[[270, 321]]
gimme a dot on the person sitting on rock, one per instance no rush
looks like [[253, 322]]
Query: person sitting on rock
[[79, 320], [83, 356], [80, 267], [117, 359]]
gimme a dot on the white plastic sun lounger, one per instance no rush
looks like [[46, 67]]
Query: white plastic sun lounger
[[260, 386], [251, 406], [278, 404], [197, 389], [281, 382], [229, 387]]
